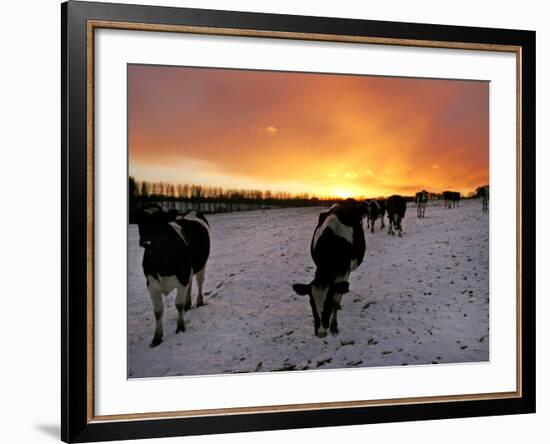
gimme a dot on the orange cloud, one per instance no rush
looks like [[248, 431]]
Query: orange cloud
[[307, 132]]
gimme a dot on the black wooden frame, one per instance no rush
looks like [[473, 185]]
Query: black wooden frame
[[75, 424]]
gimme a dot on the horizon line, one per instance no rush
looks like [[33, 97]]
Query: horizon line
[[289, 194]]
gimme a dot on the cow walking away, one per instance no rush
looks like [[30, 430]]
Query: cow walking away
[[176, 249], [421, 199], [376, 209], [337, 248], [396, 208]]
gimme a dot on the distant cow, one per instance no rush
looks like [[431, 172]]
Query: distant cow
[[448, 198], [483, 192], [376, 209], [456, 199], [421, 199], [176, 249], [337, 248], [396, 207]]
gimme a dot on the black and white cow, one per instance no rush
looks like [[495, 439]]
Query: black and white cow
[[176, 249], [376, 209], [421, 199], [396, 206], [337, 248]]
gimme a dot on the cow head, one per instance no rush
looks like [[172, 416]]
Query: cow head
[[151, 222], [172, 215], [321, 298]]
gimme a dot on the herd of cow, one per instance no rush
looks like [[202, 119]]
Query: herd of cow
[[177, 247]]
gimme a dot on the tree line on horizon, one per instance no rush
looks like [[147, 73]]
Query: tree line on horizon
[[209, 199]]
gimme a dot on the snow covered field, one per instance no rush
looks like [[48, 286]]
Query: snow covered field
[[419, 299]]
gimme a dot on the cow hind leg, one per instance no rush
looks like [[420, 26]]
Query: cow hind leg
[[181, 296], [200, 281], [397, 224], [158, 308]]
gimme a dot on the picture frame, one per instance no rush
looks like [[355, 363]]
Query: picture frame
[[80, 21]]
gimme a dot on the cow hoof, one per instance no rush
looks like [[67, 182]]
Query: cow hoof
[[180, 328], [187, 306], [400, 235], [200, 303], [334, 331], [155, 342]]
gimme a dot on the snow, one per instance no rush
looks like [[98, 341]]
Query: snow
[[416, 300]]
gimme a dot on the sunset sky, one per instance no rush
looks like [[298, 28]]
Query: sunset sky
[[323, 134]]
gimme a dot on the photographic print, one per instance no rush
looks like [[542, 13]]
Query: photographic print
[[299, 221]]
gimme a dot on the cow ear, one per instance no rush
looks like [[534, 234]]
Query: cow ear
[[322, 218], [302, 289], [341, 287]]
